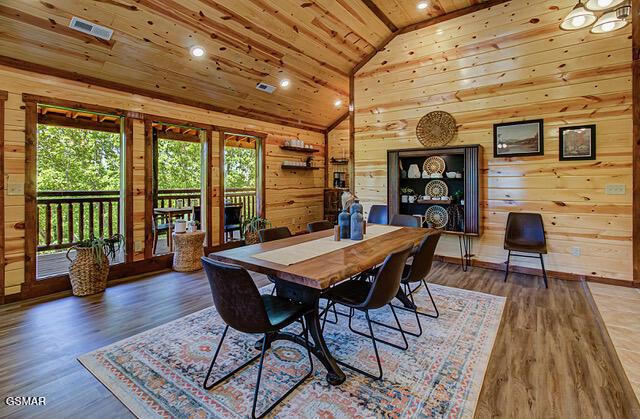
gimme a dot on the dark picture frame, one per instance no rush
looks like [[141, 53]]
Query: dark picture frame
[[577, 142], [521, 138]]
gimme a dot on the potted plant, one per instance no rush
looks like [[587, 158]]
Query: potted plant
[[406, 193], [251, 226], [89, 270]]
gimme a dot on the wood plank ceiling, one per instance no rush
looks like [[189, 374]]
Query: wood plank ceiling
[[405, 12], [314, 44]]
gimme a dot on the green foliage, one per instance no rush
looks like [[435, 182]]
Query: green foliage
[[178, 165], [76, 160], [239, 167]]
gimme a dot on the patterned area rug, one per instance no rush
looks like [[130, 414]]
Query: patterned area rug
[[159, 373]]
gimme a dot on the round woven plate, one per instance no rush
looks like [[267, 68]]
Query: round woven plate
[[436, 129], [436, 188], [434, 164], [437, 216]]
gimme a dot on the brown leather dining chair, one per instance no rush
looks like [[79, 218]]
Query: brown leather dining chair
[[365, 296], [319, 226], [525, 234], [271, 234], [404, 220], [241, 307], [275, 233]]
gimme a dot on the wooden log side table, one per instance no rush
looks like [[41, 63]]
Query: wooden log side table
[[188, 248]]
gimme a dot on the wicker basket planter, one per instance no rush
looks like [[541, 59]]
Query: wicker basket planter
[[87, 277]]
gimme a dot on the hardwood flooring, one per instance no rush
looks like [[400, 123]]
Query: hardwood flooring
[[620, 311], [550, 359]]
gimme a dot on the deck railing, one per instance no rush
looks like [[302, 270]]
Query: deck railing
[[244, 196], [66, 217]]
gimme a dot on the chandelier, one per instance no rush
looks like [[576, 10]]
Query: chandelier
[[616, 14]]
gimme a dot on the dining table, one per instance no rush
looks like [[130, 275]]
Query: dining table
[[169, 213], [305, 266]]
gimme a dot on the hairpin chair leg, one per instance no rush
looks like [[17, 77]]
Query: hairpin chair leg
[[506, 272], [375, 349], [213, 361], [544, 272], [399, 328]]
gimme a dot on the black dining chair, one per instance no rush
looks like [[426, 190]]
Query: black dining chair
[[525, 234], [271, 234], [319, 226], [378, 215], [365, 296], [275, 233], [158, 229], [232, 220], [404, 220], [241, 306]]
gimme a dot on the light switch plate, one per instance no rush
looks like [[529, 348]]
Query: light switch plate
[[576, 251], [137, 246], [615, 190], [15, 189]]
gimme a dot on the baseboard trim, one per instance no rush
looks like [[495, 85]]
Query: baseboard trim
[[567, 276]]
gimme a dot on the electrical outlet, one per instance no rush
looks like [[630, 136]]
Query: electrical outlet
[[15, 189], [137, 246], [576, 251], [615, 190]]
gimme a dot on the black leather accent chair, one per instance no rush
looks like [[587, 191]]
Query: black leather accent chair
[[365, 296], [405, 220], [239, 303], [525, 234], [232, 220], [378, 215], [319, 226], [275, 233]]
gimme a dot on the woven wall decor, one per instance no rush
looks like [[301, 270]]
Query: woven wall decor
[[436, 129]]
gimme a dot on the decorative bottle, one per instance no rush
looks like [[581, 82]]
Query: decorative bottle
[[357, 221], [356, 206], [344, 219]]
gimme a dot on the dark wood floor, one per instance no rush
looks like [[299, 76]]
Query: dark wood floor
[[549, 360]]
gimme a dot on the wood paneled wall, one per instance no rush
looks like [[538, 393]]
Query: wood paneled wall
[[507, 63], [292, 199], [338, 148]]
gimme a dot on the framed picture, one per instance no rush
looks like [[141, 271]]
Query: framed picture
[[523, 138], [578, 143]]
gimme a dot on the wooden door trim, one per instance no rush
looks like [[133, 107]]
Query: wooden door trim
[[208, 187], [3, 97], [221, 239], [128, 190], [30, 204], [636, 140]]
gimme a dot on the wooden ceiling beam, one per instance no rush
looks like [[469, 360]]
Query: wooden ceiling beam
[[380, 15], [78, 123], [69, 75]]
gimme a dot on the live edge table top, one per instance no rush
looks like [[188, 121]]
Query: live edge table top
[[323, 271]]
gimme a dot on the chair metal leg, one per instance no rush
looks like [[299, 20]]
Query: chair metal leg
[[213, 361], [375, 349], [544, 272], [406, 345], [506, 272]]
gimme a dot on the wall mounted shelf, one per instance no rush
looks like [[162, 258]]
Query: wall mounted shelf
[[284, 166], [299, 149]]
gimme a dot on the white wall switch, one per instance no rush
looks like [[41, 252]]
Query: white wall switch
[[615, 190], [15, 189], [137, 246], [576, 251]]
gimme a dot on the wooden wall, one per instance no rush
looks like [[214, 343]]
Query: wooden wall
[[508, 63], [338, 148], [292, 199]]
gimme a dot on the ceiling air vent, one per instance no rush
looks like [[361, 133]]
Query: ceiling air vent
[[265, 87], [91, 28]]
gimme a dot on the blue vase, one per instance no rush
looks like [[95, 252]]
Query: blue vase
[[345, 225], [357, 224], [356, 207]]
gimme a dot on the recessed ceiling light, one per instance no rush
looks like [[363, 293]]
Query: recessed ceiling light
[[337, 103], [284, 83], [422, 5], [197, 51]]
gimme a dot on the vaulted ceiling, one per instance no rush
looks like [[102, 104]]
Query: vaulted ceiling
[[313, 43]]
